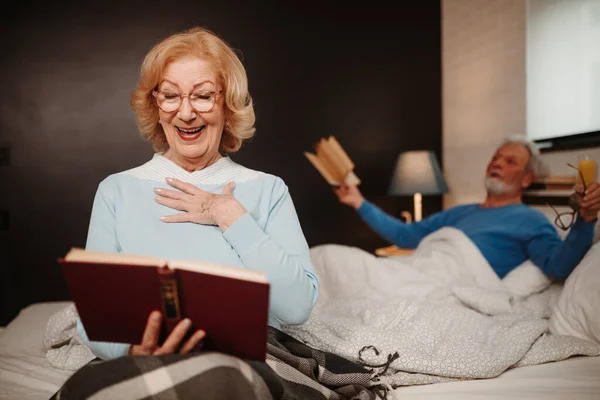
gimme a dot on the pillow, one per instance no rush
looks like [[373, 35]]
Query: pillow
[[23, 336], [577, 312]]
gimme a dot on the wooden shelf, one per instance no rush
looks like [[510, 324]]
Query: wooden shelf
[[542, 197], [548, 193]]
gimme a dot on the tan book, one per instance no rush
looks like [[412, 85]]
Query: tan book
[[332, 162]]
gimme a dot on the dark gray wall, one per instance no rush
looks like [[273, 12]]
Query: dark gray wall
[[369, 75]]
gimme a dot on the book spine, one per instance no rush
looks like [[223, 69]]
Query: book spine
[[169, 294]]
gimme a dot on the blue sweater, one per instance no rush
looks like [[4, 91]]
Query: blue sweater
[[269, 238], [506, 236]]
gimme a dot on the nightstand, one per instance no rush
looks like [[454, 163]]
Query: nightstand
[[393, 251]]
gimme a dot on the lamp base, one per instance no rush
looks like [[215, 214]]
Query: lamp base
[[418, 200]]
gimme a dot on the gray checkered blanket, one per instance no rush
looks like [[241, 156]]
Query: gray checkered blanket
[[292, 370]]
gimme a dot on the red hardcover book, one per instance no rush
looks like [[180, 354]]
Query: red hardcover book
[[115, 293]]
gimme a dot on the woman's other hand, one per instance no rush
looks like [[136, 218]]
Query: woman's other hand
[[199, 206], [173, 344]]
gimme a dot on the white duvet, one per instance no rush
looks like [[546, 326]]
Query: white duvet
[[440, 314]]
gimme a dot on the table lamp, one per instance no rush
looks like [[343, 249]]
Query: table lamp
[[417, 173]]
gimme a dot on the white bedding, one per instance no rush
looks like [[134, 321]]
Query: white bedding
[[26, 375], [439, 315]]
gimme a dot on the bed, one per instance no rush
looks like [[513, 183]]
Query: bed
[[25, 373]]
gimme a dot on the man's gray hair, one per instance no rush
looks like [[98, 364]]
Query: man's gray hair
[[535, 163]]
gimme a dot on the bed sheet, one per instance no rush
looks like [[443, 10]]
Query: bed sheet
[[577, 378], [26, 375]]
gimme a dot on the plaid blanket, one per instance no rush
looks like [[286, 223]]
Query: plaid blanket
[[292, 370]]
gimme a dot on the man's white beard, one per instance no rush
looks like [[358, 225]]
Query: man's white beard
[[496, 186]]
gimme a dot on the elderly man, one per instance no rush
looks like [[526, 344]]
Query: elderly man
[[506, 231]]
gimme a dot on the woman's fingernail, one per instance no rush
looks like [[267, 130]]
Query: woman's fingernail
[[156, 316], [187, 323], [163, 218], [169, 180], [158, 190]]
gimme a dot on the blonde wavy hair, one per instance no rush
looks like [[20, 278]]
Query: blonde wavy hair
[[202, 43]]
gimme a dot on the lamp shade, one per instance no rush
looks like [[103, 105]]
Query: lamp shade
[[417, 172]]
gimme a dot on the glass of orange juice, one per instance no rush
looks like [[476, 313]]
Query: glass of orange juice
[[588, 167]]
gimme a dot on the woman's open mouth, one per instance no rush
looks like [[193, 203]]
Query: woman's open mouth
[[190, 134]]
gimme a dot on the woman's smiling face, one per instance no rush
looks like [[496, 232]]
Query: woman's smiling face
[[193, 137]]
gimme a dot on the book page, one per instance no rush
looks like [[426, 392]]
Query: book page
[[352, 179], [82, 255], [329, 159], [316, 162], [340, 154], [345, 161], [333, 162], [220, 269]]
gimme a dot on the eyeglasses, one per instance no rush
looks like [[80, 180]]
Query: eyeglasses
[[565, 219], [202, 102]]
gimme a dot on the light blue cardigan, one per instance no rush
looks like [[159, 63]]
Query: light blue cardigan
[[269, 238]]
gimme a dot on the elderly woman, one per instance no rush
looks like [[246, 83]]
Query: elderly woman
[[192, 104]]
